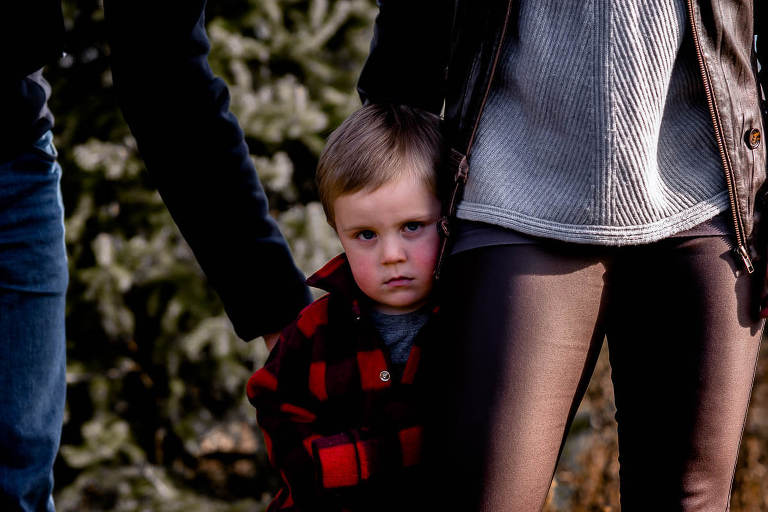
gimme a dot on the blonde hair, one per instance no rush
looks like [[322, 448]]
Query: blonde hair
[[375, 145]]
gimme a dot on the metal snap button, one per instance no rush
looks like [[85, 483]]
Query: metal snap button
[[752, 138], [384, 375], [444, 227]]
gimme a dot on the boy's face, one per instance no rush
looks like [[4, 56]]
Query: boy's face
[[391, 242]]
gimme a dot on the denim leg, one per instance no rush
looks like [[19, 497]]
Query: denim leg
[[33, 282]]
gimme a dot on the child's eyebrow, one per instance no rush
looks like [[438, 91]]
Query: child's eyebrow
[[356, 228], [425, 218]]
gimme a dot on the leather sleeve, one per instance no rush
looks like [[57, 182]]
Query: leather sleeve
[[197, 157], [761, 31], [409, 54]]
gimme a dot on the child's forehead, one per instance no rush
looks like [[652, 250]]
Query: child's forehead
[[392, 202], [406, 186]]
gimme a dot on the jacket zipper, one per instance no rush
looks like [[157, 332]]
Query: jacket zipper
[[741, 241]]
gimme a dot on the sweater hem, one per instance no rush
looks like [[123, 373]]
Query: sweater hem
[[596, 234]]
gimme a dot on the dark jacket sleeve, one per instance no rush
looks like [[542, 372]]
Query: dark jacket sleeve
[[196, 154], [409, 54], [761, 31]]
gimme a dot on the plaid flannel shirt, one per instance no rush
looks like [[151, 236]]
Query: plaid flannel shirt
[[344, 433]]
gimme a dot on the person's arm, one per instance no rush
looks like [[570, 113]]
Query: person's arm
[[196, 154], [409, 54], [317, 466], [761, 31]]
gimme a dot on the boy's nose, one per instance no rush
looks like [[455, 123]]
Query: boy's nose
[[392, 252]]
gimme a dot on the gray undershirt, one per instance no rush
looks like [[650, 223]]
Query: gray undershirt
[[398, 332], [473, 235]]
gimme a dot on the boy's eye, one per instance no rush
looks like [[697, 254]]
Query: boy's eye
[[412, 226], [366, 234]]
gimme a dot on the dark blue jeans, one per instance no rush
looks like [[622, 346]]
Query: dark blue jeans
[[33, 282]]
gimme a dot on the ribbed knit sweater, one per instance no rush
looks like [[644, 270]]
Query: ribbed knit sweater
[[596, 129]]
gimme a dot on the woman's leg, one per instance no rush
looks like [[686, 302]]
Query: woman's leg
[[683, 348], [519, 347]]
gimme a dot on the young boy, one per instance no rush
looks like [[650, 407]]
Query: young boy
[[338, 398]]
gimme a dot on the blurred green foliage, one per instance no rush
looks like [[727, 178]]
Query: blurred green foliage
[[156, 416]]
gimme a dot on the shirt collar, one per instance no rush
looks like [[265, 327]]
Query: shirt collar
[[336, 277]]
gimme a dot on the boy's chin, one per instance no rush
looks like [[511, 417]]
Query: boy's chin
[[394, 308]]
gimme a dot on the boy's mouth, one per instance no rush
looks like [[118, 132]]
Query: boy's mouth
[[398, 281]]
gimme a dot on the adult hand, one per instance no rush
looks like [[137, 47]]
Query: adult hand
[[271, 339]]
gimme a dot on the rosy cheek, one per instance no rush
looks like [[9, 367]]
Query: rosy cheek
[[427, 254], [363, 270]]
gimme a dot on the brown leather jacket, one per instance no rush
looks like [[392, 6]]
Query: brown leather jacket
[[438, 54]]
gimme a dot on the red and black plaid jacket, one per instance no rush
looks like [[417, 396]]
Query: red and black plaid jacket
[[344, 433]]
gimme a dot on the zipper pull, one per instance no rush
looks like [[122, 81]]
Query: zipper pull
[[745, 259]]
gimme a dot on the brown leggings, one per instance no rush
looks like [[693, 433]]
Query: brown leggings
[[523, 325]]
